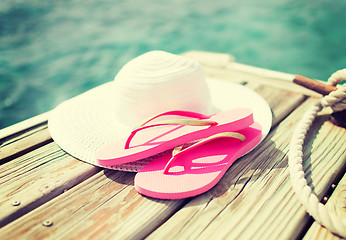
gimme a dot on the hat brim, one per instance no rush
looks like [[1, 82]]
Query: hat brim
[[83, 124]]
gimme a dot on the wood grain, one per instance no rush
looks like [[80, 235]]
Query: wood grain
[[240, 73], [104, 206], [19, 144], [337, 204], [281, 102], [24, 125], [36, 178]]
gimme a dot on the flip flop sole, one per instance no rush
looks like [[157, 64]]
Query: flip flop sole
[[196, 171], [152, 141]]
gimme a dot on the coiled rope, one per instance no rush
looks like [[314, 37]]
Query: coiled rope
[[337, 101]]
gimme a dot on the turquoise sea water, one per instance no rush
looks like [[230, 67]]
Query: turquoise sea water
[[53, 50]]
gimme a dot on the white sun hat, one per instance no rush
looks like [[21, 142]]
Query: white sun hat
[[152, 83]]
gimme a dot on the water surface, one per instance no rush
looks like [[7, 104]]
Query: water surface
[[53, 50]]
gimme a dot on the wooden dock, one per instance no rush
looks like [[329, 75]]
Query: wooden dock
[[47, 194]]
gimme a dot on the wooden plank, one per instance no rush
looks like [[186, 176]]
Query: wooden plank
[[22, 126], [24, 142], [237, 72], [254, 199], [104, 206], [281, 102], [37, 177], [242, 75], [337, 204]]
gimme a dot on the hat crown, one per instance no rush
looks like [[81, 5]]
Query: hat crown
[[158, 81]]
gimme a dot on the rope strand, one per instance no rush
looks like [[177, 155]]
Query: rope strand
[[337, 101]]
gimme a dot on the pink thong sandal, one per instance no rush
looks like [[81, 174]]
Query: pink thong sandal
[[152, 138], [195, 169]]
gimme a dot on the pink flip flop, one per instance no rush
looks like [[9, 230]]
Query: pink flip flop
[[152, 137], [197, 168]]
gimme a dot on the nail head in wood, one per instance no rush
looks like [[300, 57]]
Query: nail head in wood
[[47, 223], [16, 203]]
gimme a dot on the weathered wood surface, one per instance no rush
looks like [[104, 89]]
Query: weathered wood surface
[[254, 199], [224, 67], [24, 125], [336, 203], [24, 142]]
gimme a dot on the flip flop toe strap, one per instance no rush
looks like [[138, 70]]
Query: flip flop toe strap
[[179, 149], [201, 121], [174, 113]]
